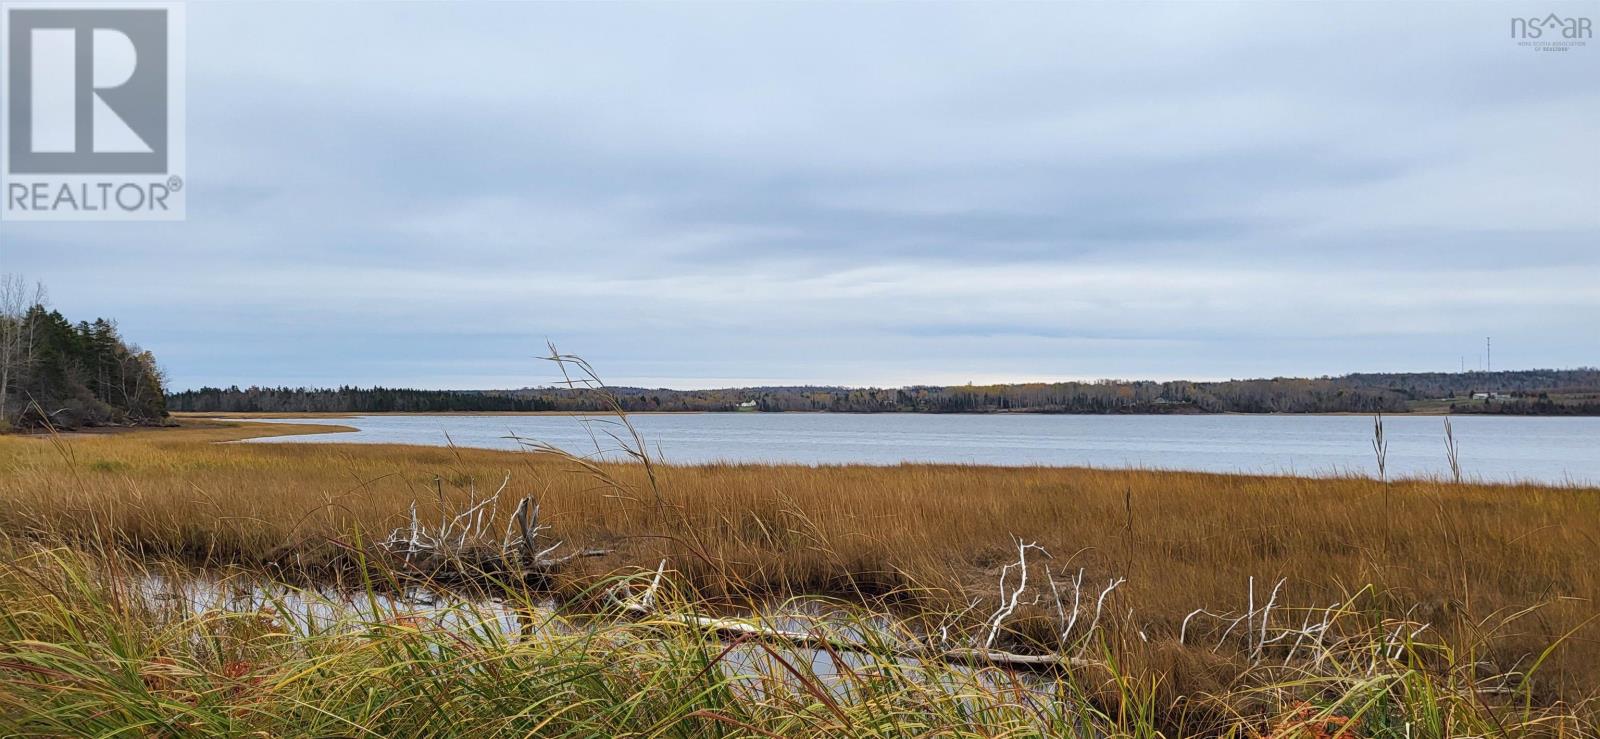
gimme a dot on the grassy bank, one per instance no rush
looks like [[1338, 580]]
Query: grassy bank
[[87, 648], [1499, 574]]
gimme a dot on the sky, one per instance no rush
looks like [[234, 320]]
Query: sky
[[709, 195]]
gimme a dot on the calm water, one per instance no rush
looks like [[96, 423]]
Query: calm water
[[1492, 448]]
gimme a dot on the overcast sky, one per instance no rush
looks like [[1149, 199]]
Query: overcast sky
[[709, 195]]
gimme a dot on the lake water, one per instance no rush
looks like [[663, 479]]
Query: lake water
[[1556, 450]]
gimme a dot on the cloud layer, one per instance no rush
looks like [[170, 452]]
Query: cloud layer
[[703, 195]]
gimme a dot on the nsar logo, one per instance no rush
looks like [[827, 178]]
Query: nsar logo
[[1552, 32]]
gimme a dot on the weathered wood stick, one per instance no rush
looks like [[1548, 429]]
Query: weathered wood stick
[[739, 628], [528, 521]]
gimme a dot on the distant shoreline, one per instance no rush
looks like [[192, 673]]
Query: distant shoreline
[[359, 414], [1537, 392]]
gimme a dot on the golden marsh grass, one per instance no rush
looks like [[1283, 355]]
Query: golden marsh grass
[[1469, 559]]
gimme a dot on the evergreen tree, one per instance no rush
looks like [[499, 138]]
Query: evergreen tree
[[67, 375]]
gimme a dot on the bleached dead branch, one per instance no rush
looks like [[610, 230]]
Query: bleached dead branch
[[1313, 641], [1008, 601], [464, 547]]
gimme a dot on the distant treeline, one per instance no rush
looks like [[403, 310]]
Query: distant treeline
[[57, 373], [1523, 391]]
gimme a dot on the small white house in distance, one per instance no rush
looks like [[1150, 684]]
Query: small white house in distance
[[748, 405], [1488, 396]]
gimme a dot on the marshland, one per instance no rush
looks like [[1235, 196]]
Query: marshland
[[1070, 369], [1159, 602], [173, 575]]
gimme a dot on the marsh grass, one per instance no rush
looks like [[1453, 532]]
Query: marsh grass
[[1502, 576], [83, 655], [84, 651]]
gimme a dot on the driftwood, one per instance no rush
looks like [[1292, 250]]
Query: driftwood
[[462, 547], [644, 606], [1316, 633]]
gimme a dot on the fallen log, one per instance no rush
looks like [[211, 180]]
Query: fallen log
[[644, 607]]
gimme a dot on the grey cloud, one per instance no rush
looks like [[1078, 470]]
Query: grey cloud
[[698, 193]]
